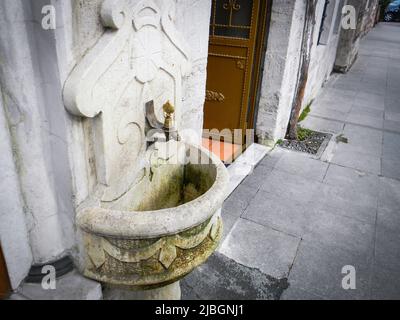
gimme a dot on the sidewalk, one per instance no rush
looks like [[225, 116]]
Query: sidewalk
[[304, 219]]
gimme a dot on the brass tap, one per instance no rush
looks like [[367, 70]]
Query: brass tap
[[169, 110]]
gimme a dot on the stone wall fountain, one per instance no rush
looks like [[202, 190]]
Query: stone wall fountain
[[154, 214]]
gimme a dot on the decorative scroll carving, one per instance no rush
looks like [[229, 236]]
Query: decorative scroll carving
[[140, 57], [214, 96]]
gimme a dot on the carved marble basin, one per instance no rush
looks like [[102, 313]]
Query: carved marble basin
[[164, 226]]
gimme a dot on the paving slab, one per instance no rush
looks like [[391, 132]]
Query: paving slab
[[351, 209], [221, 278], [330, 113], [365, 120], [391, 168], [280, 213], [291, 186], [365, 148], [392, 103], [318, 270], [363, 110], [387, 249], [389, 194], [273, 157], [244, 164], [330, 107], [343, 232], [302, 164], [322, 125], [359, 161], [391, 146], [260, 247], [393, 94], [385, 284], [343, 85], [333, 195], [356, 180], [228, 223], [391, 125], [392, 115], [345, 95], [388, 218], [370, 100], [258, 176], [238, 201], [294, 293], [359, 135], [347, 201]]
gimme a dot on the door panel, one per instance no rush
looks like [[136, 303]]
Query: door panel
[[233, 31], [225, 103], [5, 287]]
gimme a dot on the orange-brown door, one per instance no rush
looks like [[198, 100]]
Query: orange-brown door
[[235, 29], [5, 287]]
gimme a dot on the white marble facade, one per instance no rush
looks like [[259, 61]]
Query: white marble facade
[[72, 108]]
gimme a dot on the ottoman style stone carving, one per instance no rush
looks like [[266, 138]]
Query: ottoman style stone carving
[[154, 213]]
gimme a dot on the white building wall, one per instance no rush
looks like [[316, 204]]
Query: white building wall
[[47, 174], [323, 55], [28, 107], [13, 231], [282, 65]]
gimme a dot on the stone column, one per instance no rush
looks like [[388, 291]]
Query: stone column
[[32, 98], [13, 231]]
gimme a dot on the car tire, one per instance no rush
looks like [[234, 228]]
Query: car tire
[[389, 17]]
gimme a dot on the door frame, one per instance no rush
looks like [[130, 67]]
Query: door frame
[[259, 59], [248, 113]]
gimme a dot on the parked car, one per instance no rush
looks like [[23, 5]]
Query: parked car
[[392, 12]]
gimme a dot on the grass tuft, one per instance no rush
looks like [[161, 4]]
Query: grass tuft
[[341, 138], [303, 134], [305, 112]]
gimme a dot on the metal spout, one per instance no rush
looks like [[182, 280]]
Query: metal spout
[[169, 110], [167, 128]]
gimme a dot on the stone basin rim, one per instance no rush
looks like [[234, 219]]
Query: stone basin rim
[[158, 223]]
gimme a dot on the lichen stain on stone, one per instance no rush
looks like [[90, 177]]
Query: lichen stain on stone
[[150, 273], [174, 185]]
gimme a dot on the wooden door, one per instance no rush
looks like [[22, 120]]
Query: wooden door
[[5, 286], [236, 29]]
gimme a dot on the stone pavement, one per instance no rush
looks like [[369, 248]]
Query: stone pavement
[[303, 219]]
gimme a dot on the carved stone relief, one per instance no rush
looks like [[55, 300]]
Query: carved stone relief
[[140, 57], [154, 228], [152, 262]]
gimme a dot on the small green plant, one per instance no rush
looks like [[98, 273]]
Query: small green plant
[[279, 142], [303, 134], [305, 112], [341, 138]]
